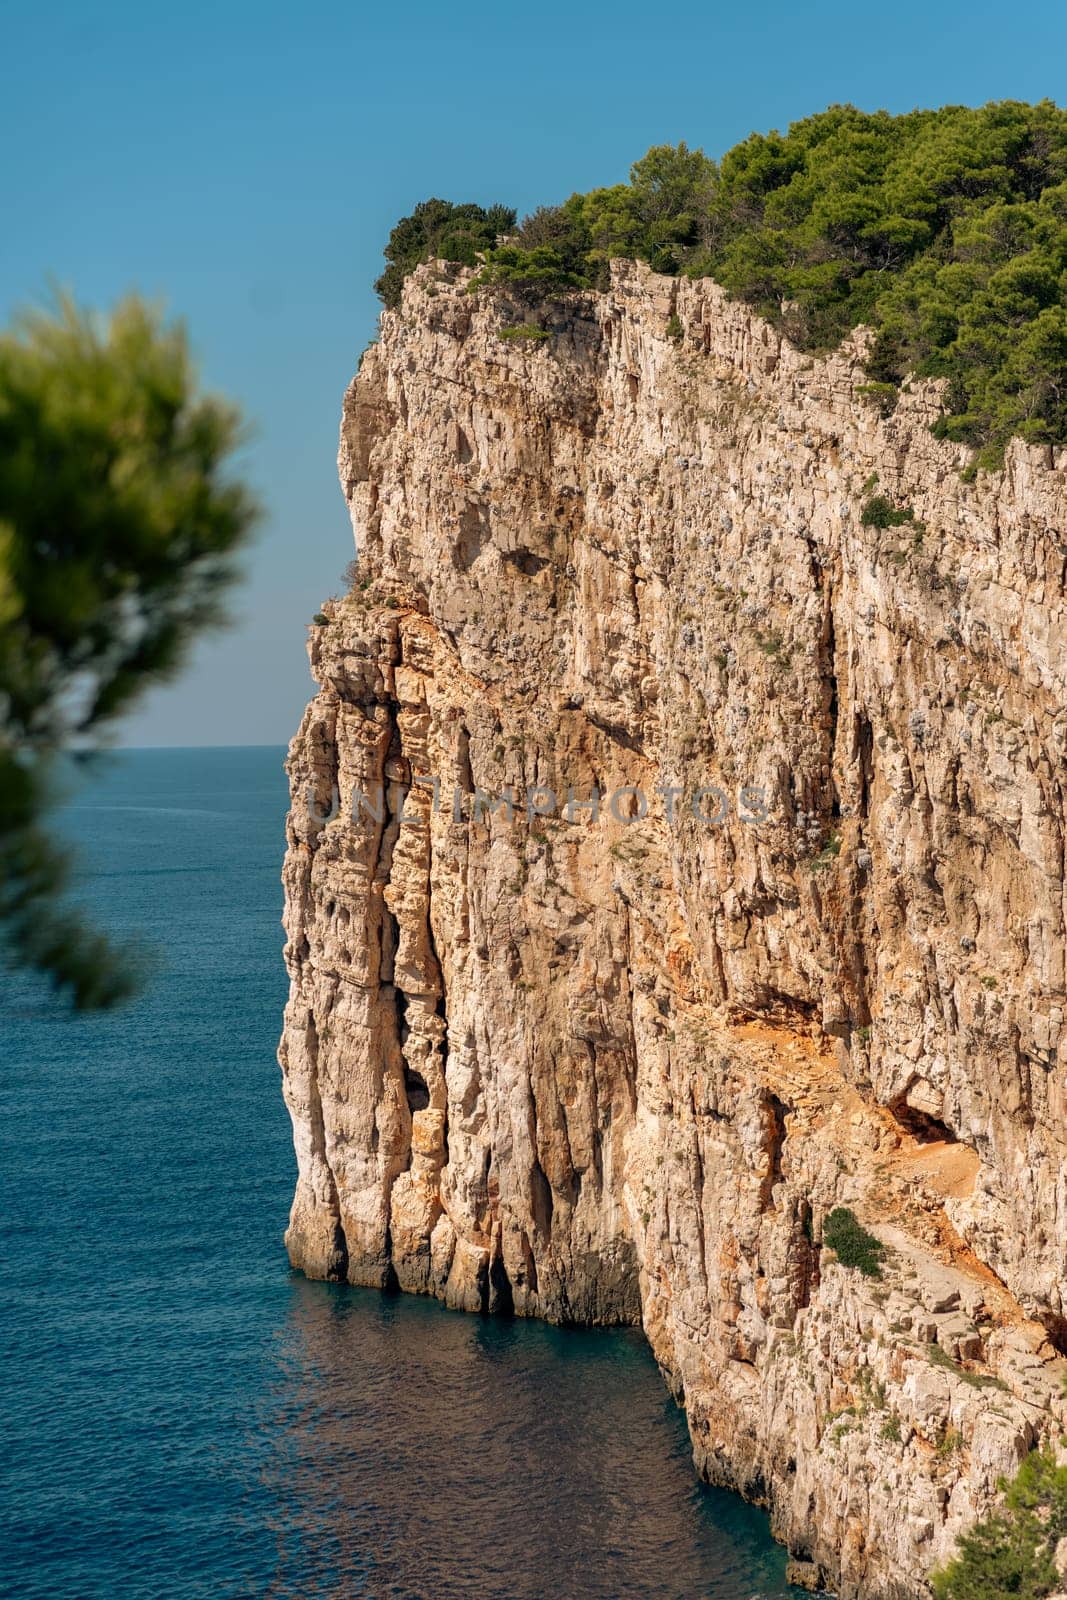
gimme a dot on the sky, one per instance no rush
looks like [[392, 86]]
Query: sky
[[243, 164]]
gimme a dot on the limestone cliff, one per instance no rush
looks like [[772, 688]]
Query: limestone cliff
[[619, 1067]]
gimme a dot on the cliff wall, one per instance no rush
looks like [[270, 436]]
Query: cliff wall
[[620, 1067]]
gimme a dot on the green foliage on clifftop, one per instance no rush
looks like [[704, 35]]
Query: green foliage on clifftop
[[437, 229], [943, 231]]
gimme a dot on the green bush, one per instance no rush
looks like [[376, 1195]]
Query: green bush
[[852, 1244], [943, 231], [541, 268], [524, 330], [881, 395], [882, 513], [829, 852], [439, 230]]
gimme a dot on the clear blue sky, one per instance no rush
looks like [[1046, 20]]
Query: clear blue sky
[[244, 163]]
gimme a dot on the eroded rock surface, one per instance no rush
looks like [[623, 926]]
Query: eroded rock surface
[[620, 1068]]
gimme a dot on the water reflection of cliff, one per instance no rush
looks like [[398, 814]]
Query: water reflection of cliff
[[427, 1453]]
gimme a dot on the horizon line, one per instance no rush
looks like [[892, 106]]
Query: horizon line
[[131, 749]]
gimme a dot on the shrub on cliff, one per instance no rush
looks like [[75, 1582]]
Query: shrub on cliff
[[880, 512], [852, 1244], [439, 230], [524, 332], [944, 231], [1011, 1553], [541, 268]]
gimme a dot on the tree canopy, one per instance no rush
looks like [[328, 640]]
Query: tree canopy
[[1011, 1553], [446, 232], [943, 231], [118, 531]]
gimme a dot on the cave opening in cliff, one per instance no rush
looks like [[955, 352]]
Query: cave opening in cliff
[[416, 1090], [526, 562], [1055, 1326], [922, 1127]]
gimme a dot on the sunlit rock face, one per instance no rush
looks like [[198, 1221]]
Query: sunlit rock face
[[616, 1060]]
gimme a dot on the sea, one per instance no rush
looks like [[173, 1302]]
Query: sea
[[183, 1415]]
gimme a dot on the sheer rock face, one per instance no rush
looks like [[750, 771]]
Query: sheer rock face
[[620, 1067]]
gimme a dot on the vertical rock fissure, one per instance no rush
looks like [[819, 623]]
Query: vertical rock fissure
[[337, 1260]]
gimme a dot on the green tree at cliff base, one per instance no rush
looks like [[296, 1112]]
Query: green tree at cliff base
[[943, 231]]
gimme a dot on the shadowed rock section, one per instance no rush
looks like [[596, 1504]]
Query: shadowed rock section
[[618, 1068]]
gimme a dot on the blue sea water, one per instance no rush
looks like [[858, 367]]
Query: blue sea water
[[185, 1417]]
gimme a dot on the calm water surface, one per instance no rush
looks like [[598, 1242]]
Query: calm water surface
[[183, 1416]]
